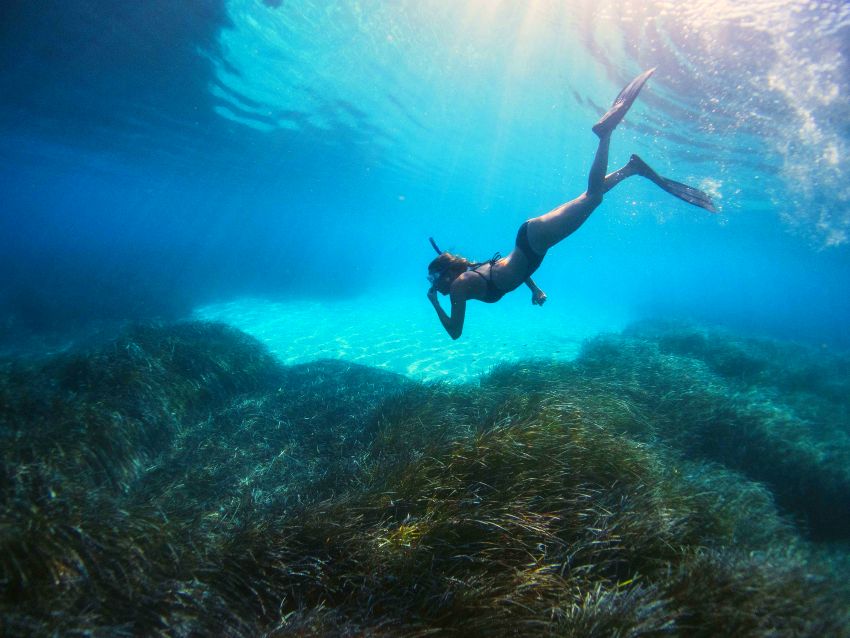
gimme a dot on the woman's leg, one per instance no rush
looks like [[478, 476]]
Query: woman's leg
[[556, 225], [596, 178], [633, 167], [547, 230]]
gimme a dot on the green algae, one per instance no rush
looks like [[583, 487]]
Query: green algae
[[180, 482]]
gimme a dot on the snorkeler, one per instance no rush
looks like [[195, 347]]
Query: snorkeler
[[489, 281]]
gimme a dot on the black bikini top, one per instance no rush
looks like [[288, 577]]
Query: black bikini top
[[493, 293]]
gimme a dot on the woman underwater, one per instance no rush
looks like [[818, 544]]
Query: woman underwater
[[489, 281]]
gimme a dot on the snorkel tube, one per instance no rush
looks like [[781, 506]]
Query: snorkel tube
[[439, 252]]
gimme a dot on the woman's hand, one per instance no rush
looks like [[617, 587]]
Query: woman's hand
[[538, 298], [432, 295]]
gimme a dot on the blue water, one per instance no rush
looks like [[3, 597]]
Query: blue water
[[235, 159], [625, 460]]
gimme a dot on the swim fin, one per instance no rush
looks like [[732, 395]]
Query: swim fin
[[622, 104], [677, 189]]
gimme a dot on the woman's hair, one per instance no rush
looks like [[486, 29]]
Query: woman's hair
[[447, 261]]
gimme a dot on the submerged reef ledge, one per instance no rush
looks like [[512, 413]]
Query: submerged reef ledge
[[671, 480]]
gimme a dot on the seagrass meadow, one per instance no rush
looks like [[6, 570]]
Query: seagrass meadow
[[233, 403], [672, 480]]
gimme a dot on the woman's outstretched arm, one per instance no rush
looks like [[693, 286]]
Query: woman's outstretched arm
[[454, 323]]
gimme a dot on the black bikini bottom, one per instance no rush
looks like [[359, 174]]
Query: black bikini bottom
[[532, 257]]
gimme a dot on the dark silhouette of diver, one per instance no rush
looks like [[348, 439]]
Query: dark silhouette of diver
[[489, 281]]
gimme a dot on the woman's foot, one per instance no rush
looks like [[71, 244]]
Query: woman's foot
[[622, 104], [677, 189], [641, 168]]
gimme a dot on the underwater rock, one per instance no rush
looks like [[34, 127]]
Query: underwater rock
[[791, 369], [770, 410], [777, 412], [179, 481]]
